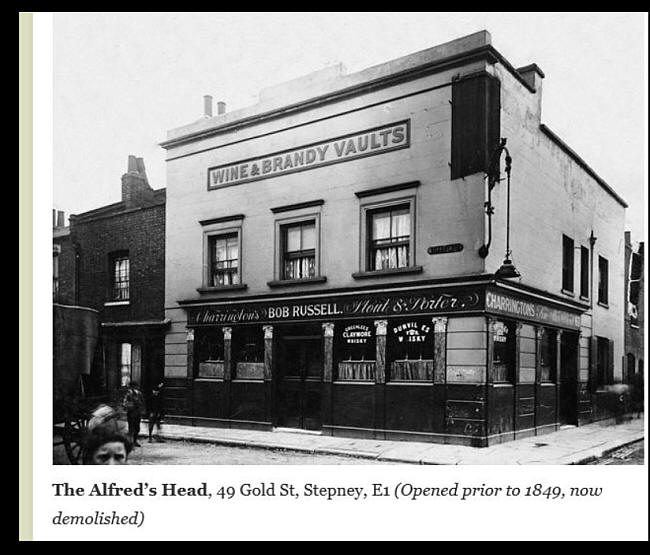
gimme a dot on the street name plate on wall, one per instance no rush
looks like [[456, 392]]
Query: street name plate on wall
[[444, 249], [378, 140]]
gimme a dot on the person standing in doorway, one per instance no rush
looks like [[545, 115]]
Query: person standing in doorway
[[134, 405], [156, 411]]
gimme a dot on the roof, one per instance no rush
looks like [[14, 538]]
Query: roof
[[578, 160], [118, 208]]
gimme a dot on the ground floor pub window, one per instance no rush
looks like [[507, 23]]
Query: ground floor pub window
[[130, 363], [548, 355], [209, 353], [248, 352], [504, 349], [355, 350], [409, 350]]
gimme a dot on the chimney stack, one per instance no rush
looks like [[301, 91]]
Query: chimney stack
[[221, 108], [136, 191], [533, 76], [60, 218], [207, 106]]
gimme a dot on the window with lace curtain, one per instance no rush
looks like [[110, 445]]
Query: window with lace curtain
[[224, 259], [299, 250], [389, 238]]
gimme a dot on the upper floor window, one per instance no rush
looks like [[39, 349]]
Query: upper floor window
[[224, 260], [389, 238], [299, 250], [584, 272], [120, 276], [567, 263], [603, 280]]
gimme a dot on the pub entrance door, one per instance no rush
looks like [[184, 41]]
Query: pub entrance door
[[299, 381], [569, 378]]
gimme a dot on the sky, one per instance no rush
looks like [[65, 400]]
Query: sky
[[121, 80]]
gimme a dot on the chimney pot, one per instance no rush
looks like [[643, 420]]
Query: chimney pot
[[221, 108], [132, 165], [207, 106]]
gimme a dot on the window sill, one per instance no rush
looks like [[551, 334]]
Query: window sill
[[289, 282], [117, 303], [388, 272], [583, 298], [604, 305], [238, 287], [568, 293]]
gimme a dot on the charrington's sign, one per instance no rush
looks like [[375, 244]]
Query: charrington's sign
[[431, 302], [507, 305], [378, 140]]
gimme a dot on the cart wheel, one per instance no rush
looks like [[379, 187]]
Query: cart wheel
[[73, 433]]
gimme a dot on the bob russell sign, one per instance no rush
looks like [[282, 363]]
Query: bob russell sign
[[353, 306]]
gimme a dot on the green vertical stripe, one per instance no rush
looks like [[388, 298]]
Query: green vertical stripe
[[25, 528]]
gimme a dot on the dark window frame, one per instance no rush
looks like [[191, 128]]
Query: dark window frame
[[585, 265], [568, 263], [603, 280], [548, 356], [118, 287]]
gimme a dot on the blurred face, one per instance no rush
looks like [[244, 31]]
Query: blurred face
[[110, 453]]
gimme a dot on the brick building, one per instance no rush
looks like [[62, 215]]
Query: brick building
[[63, 264], [634, 308], [335, 257], [113, 259]]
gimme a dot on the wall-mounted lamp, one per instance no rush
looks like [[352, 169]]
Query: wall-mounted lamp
[[507, 269]]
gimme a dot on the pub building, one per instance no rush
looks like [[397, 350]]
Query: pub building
[[335, 257]]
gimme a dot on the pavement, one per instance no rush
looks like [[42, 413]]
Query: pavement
[[569, 445]]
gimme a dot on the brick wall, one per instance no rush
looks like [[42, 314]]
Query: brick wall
[[141, 232], [66, 294]]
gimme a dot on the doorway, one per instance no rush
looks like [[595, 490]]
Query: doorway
[[569, 379], [299, 370]]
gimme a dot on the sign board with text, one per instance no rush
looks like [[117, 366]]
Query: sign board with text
[[515, 307], [377, 305], [370, 142]]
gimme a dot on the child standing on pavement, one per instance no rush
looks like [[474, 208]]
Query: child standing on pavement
[[134, 405], [155, 411]]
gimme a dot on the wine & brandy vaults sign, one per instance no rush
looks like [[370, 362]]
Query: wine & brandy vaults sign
[[370, 142]]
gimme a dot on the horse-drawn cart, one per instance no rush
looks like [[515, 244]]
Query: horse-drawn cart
[[76, 331]]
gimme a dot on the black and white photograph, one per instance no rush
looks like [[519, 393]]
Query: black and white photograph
[[349, 238]]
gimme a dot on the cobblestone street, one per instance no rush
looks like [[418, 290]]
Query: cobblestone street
[[630, 454]]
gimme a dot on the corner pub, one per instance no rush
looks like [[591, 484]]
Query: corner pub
[[335, 258]]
